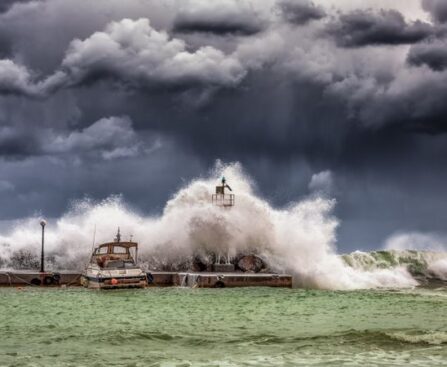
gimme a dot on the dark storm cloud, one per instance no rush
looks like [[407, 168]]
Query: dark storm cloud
[[106, 139], [411, 102], [300, 11], [437, 9], [236, 19], [5, 5], [433, 54], [16, 144], [135, 97], [385, 27], [133, 53]]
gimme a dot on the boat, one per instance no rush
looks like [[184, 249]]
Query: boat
[[114, 265]]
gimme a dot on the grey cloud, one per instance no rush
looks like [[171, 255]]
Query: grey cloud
[[432, 54], [53, 24], [15, 79], [16, 143], [108, 138], [386, 27], [437, 9], [5, 5], [133, 53], [300, 11], [412, 101], [111, 138], [286, 102], [6, 186], [226, 17]]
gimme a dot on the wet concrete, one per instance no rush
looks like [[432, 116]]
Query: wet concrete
[[159, 279]]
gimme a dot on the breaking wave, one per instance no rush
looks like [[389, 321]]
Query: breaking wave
[[420, 264], [299, 239]]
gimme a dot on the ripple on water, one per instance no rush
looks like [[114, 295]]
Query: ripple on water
[[227, 327]]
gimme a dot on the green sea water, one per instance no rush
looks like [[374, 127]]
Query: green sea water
[[222, 327]]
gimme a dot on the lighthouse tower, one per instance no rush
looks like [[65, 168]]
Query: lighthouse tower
[[222, 199]]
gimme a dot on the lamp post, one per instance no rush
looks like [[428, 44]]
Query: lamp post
[[42, 255]]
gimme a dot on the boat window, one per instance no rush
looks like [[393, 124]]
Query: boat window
[[102, 250], [119, 250], [115, 264], [129, 264]]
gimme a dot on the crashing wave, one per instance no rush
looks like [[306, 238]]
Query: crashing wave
[[422, 265], [299, 239]]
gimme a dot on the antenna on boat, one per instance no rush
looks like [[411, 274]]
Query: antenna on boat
[[118, 236], [94, 238]]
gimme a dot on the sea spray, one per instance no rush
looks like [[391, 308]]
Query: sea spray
[[299, 239]]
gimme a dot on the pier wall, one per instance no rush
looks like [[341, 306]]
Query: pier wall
[[159, 279], [224, 280], [23, 278]]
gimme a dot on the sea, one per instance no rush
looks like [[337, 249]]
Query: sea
[[78, 327]]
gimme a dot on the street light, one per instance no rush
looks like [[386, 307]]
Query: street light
[[42, 261]]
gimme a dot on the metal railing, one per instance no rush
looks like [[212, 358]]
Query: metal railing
[[224, 200]]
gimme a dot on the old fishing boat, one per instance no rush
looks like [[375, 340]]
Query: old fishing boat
[[114, 265]]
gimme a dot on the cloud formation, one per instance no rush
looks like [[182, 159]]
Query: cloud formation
[[437, 9], [432, 54], [300, 11], [385, 27], [223, 18], [111, 138], [15, 79], [108, 138], [288, 88], [5, 5], [135, 53]]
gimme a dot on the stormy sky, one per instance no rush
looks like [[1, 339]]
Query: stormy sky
[[137, 97]]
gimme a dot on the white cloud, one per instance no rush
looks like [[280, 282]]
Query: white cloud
[[135, 53], [15, 79]]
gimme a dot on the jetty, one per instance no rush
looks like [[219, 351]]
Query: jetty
[[242, 271], [155, 279]]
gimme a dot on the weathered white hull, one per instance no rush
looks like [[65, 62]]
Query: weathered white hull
[[107, 283], [114, 279]]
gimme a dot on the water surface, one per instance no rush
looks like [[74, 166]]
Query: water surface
[[222, 327]]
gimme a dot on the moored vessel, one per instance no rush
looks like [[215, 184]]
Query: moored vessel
[[114, 265]]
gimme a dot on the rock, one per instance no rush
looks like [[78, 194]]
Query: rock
[[199, 264], [250, 264]]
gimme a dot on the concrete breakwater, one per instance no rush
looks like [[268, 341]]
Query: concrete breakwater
[[160, 279]]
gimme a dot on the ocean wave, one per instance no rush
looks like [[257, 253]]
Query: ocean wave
[[299, 239], [430, 337], [422, 265]]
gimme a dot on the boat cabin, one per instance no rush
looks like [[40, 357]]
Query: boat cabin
[[116, 255]]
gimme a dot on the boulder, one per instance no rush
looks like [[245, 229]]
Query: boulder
[[199, 264], [250, 264]]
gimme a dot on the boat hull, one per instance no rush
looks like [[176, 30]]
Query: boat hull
[[113, 282]]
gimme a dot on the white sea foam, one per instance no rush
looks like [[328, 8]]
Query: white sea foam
[[439, 268], [299, 239]]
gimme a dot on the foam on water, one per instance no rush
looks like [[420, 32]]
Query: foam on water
[[299, 239], [418, 263]]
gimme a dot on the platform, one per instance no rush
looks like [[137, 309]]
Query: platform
[[33, 278], [160, 279]]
